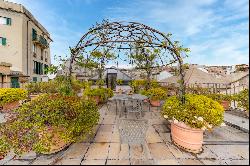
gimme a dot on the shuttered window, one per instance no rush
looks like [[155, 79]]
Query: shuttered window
[[5, 21], [3, 41], [38, 68]]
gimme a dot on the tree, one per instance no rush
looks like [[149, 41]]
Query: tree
[[99, 60], [144, 58]]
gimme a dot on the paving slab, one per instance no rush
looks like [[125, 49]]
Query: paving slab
[[152, 136], [93, 162], [76, 151], [242, 123], [224, 152], [118, 151], [237, 162], [190, 162], [167, 162], [18, 162], [69, 162], [213, 162], [160, 151], [97, 151], [118, 162]]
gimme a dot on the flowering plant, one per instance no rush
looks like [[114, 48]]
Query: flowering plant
[[198, 111]]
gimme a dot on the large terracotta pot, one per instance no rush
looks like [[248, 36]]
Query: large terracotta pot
[[155, 103], [225, 104], [10, 106], [186, 137]]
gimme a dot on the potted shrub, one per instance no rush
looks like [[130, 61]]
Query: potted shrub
[[243, 100], [189, 120], [223, 99], [155, 95], [48, 124], [10, 98], [99, 95]]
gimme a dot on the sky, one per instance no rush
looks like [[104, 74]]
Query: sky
[[216, 31]]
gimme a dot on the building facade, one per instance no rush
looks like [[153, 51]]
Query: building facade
[[24, 42]]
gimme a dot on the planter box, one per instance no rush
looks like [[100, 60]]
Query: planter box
[[10, 106], [155, 103], [225, 104], [187, 138], [59, 143]]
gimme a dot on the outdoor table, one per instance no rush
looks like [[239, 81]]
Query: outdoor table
[[125, 97]]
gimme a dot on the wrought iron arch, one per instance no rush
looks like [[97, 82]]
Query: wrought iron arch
[[120, 36]]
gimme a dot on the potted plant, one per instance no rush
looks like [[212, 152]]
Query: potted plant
[[242, 99], [47, 124], [155, 95], [223, 99], [191, 119], [10, 98], [99, 95]]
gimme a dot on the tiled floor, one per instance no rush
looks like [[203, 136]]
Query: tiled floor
[[105, 148]]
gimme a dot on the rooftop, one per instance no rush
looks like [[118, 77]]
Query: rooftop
[[224, 145]]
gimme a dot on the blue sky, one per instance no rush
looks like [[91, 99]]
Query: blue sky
[[216, 31]]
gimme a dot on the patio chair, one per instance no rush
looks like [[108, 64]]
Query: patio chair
[[133, 132], [134, 106]]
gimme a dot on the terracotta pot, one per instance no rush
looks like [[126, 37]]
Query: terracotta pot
[[96, 99], [10, 106], [225, 104], [155, 103], [58, 143], [186, 137]]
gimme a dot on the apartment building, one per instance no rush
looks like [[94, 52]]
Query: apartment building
[[24, 42]]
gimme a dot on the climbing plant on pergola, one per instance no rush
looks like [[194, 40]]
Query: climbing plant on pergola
[[123, 36]]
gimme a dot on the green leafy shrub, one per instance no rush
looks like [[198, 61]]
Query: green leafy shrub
[[119, 82], [100, 82], [59, 85], [198, 111], [8, 95], [71, 118], [243, 99], [155, 93], [103, 93], [138, 85], [220, 97]]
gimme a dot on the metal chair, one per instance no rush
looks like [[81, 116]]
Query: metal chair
[[133, 132], [134, 106]]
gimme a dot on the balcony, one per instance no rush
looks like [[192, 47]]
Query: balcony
[[40, 40]]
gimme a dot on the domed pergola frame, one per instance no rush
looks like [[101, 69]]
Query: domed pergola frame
[[121, 35]]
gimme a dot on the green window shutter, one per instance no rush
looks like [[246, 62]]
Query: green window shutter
[[8, 21], [4, 41]]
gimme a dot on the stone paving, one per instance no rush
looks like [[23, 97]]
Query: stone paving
[[242, 123], [224, 146]]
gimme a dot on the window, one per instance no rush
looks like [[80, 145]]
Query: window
[[2, 41], [38, 68], [34, 34], [41, 54], [34, 48], [5, 21], [46, 56], [46, 69]]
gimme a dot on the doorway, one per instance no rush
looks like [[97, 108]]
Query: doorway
[[15, 82], [111, 80]]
